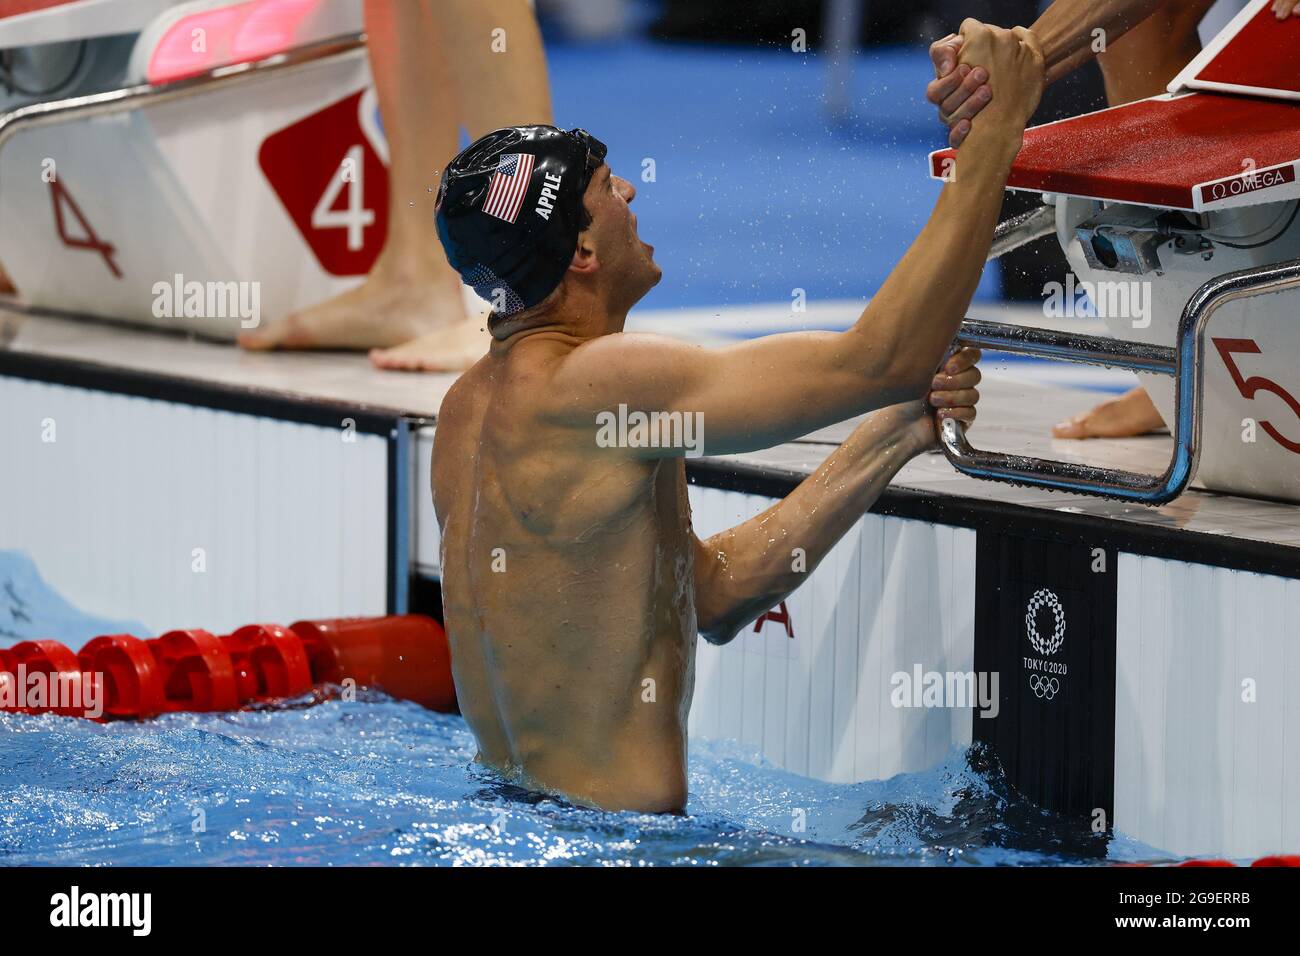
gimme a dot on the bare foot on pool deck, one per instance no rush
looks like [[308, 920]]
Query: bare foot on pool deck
[[451, 349], [387, 309], [1133, 413]]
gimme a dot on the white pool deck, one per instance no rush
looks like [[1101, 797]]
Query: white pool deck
[[1020, 402]]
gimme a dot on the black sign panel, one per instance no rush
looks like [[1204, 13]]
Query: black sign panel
[[1045, 623]]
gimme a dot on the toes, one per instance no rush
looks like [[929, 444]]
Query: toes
[[1073, 429], [390, 359], [260, 340], [400, 359], [288, 332]]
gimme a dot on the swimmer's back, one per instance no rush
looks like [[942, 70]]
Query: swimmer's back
[[539, 527]]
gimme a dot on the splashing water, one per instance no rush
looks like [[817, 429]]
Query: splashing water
[[376, 781]]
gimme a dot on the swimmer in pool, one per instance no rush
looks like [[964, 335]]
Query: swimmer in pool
[[573, 584], [1150, 41]]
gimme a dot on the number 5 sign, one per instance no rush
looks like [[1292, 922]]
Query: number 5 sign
[[1250, 387], [333, 186]]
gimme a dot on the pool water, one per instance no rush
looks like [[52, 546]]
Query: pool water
[[376, 781]]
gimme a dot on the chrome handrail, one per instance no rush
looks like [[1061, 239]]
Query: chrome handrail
[[36, 115], [1021, 230], [1069, 347], [1185, 362]]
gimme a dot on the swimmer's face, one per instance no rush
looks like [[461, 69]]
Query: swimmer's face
[[613, 237]]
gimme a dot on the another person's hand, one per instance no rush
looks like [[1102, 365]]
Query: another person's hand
[[1286, 8], [959, 90]]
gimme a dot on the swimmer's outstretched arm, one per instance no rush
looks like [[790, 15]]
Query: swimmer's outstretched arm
[[752, 567], [780, 387]]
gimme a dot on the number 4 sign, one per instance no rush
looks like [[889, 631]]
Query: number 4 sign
[[355, 219], [88, 240], [333, 186]]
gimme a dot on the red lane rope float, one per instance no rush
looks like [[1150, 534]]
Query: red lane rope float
[[50, 672], [197, 672], [407, 656], [133, 686], [1262, 861], [269, 662]]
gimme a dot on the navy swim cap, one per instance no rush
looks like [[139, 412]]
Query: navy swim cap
[[510, 210]]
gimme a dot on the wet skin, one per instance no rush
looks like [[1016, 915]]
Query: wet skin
[[567, 569], [574, 573], [574, 587]]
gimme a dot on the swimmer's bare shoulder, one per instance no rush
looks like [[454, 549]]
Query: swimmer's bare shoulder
[[462, 435], [461, 408], [517, 424]]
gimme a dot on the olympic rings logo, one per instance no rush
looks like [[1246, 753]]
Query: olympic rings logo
[[1044, 687], [1045, 598]]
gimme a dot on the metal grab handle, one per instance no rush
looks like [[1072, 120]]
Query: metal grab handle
[[36, 115], [1185, 362], [1021, 230]]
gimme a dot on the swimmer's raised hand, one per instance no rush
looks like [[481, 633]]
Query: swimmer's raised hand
[[1017, 72], [958, 89]]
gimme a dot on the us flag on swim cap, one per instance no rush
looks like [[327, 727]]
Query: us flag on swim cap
[[509, 186]]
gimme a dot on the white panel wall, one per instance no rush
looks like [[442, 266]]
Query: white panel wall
[[292, 519], [1199, 769], [893, 593], [426, 540]]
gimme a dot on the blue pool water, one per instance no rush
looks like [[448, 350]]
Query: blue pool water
[[376, 781]]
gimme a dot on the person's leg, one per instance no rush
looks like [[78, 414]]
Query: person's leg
[[1143, 61], [1138, 65], [494, 52], [411, 290], [1133, 413]]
